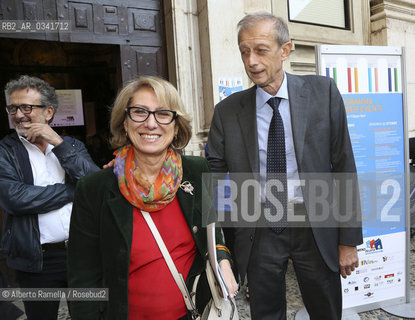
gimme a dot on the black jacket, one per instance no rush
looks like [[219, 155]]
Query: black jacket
[[323, 150], [22, 201], [101, 235]]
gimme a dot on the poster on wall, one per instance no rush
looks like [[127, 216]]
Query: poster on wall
[[370, 81], [229, 85], [70, 111]]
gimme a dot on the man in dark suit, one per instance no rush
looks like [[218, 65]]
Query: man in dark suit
[[245, 136]]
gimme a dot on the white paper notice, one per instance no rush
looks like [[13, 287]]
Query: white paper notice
[[70, 110], [211, 238]]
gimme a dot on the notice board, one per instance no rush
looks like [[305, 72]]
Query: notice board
[[371, 81]]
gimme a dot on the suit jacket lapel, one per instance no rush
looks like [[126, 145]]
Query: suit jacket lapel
[[122, 212], [187, 200], [299, 94], [248, 125]]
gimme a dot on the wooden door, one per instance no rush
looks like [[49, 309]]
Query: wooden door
[[137, 26]]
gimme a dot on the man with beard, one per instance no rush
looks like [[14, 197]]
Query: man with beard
[[38, 173]]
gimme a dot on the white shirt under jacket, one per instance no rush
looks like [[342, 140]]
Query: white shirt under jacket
[[46, 169]]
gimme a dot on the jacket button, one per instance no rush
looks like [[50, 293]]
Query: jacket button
[[195, 229], [251, 237]]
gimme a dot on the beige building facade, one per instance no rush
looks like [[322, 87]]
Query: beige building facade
[[202, 45]]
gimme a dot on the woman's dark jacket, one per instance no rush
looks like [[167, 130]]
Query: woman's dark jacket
[[101, 234]]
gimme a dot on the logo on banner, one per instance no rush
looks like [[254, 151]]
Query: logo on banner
[[388, 258], [376, 269], [361, 271], [374, 245], [366, 262]]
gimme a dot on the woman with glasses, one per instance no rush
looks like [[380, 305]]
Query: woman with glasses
[[110, 244]]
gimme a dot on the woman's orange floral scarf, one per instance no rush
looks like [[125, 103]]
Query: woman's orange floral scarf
[[138, 191]]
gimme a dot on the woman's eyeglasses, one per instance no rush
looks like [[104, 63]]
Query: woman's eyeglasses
[[139, 114]]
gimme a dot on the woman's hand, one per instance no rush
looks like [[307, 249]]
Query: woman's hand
[[108, 165], [229, 278]]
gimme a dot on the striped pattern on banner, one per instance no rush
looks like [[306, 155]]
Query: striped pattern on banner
[[356, 81]]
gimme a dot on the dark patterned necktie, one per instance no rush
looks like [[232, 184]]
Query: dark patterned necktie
[[277, 165]]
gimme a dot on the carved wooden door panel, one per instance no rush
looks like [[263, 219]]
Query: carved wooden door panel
[[24, 10], [137, 26], [141, 60]]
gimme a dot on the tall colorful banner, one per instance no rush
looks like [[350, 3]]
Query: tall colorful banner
[[370, 80]]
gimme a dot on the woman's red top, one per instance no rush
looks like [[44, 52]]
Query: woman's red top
[[152, 291]]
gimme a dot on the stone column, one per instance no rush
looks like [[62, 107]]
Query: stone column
[[393, 24], [202, 47], [185, 67]]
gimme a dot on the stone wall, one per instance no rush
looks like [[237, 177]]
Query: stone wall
[[393, 24], [202, 42]]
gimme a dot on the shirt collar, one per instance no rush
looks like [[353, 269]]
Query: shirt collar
[[22, 139], [262, 97]]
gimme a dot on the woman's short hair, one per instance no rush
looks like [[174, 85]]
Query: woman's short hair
[[166, 94], [280, 26]]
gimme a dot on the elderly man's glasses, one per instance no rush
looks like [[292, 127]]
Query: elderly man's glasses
[[24, 108], [139, 114]]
